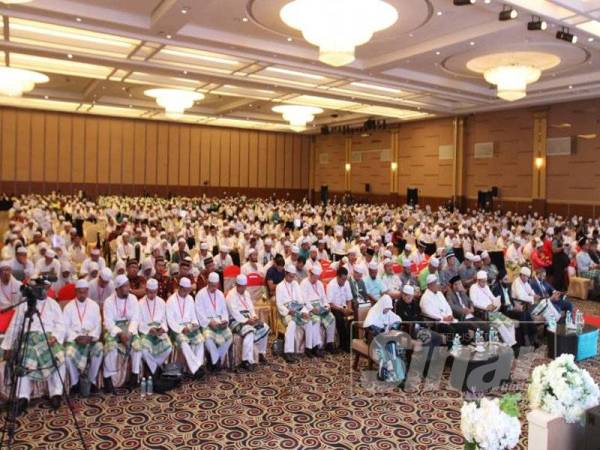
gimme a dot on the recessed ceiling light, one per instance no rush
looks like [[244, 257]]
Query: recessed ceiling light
[[438, 53], [169, 36], [289, 39], [471, 43], [185, 72], [244, 19], [184, 10], [439, 13], [570, 86], [70, 56], [46, 97], [590, 39], [78, 19], [411, 35]]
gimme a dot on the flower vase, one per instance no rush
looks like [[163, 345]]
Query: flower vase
[[552, 432]]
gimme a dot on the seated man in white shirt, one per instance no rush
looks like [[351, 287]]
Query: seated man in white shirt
[[83, 324], [102, 287], [293, 313], [213, 317], [252, 265], [246, 323], [339, 294], [156, 345], [435, 307], [316, 301], [10, 287], [483, 299], [94, 257], [521, 290]]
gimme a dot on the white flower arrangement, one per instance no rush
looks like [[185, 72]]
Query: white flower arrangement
[[491, 424], [564, 389]]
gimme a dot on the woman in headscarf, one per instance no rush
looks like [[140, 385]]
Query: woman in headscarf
[[381, 317]]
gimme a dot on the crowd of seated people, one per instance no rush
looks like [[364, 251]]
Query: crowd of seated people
[[150, 279]]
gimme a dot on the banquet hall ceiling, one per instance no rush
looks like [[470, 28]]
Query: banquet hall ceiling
[[101, 55]]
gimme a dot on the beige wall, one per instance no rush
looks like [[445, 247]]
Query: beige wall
[[510, 169], [50, 150]]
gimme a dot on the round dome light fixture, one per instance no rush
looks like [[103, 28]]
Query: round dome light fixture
[[175, 101], [513, 72], [337, 27], [297, 115], [16, 82]]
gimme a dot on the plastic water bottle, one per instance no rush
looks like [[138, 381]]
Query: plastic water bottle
[[492, 336], [456, 344], [478, 338], [149, 386], [579, 322], [569, 321], [143, 387]]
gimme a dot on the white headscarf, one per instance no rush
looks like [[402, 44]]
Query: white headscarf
[[377, 317]]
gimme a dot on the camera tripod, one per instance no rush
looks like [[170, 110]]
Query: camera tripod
[[17, 370]]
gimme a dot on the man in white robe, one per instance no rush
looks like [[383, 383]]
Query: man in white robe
[[37, 360], [246, 323], [521, 290], [121, 321], [102, 287], [213, 317], [293, 313], [313, 293], [483, 299], [10, 287], [156, 345], [83, 325], [185, 329]]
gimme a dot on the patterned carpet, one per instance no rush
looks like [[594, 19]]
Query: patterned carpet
[[311, 405]]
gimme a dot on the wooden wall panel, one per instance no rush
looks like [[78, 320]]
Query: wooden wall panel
[[162, 159], [330, 158], [195, 157], [225, 155], [9, 144], [139, 153], [253, 159], [244, 158], [23, 145], [51, 154], [78, 151], [576, 177], [214, 161], [305, 162], [371, 170], [204, 157], [151, 153], [124, 156], [184, 156], [116, 153], [104, 156], [262, 160], [234, 159], [511, 167], [91, 128], [271, 163], [172, 149], [128, 152]]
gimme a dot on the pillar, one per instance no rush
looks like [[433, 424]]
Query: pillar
[[540, 133], [458, 163]]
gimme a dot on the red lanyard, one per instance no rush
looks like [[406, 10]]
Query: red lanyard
[[153, 309], [243, 300], [124, 310], [213, 300], [81, 316], [316, 290], [181, 309]]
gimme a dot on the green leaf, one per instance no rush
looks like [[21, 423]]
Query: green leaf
[[470, 446], [509, 404]]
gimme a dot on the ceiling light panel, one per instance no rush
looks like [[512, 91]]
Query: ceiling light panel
[[592, 27], [63, 67], [396, 113], [163, 81], [36, 103], [252, 124], [323, 102], [191, 59], [544, 8], [284, 76], [107, 110], [239, 91], [73, 40], [145, 51]]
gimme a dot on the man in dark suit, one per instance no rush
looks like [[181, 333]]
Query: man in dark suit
[[541, 287], [459, 301]]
